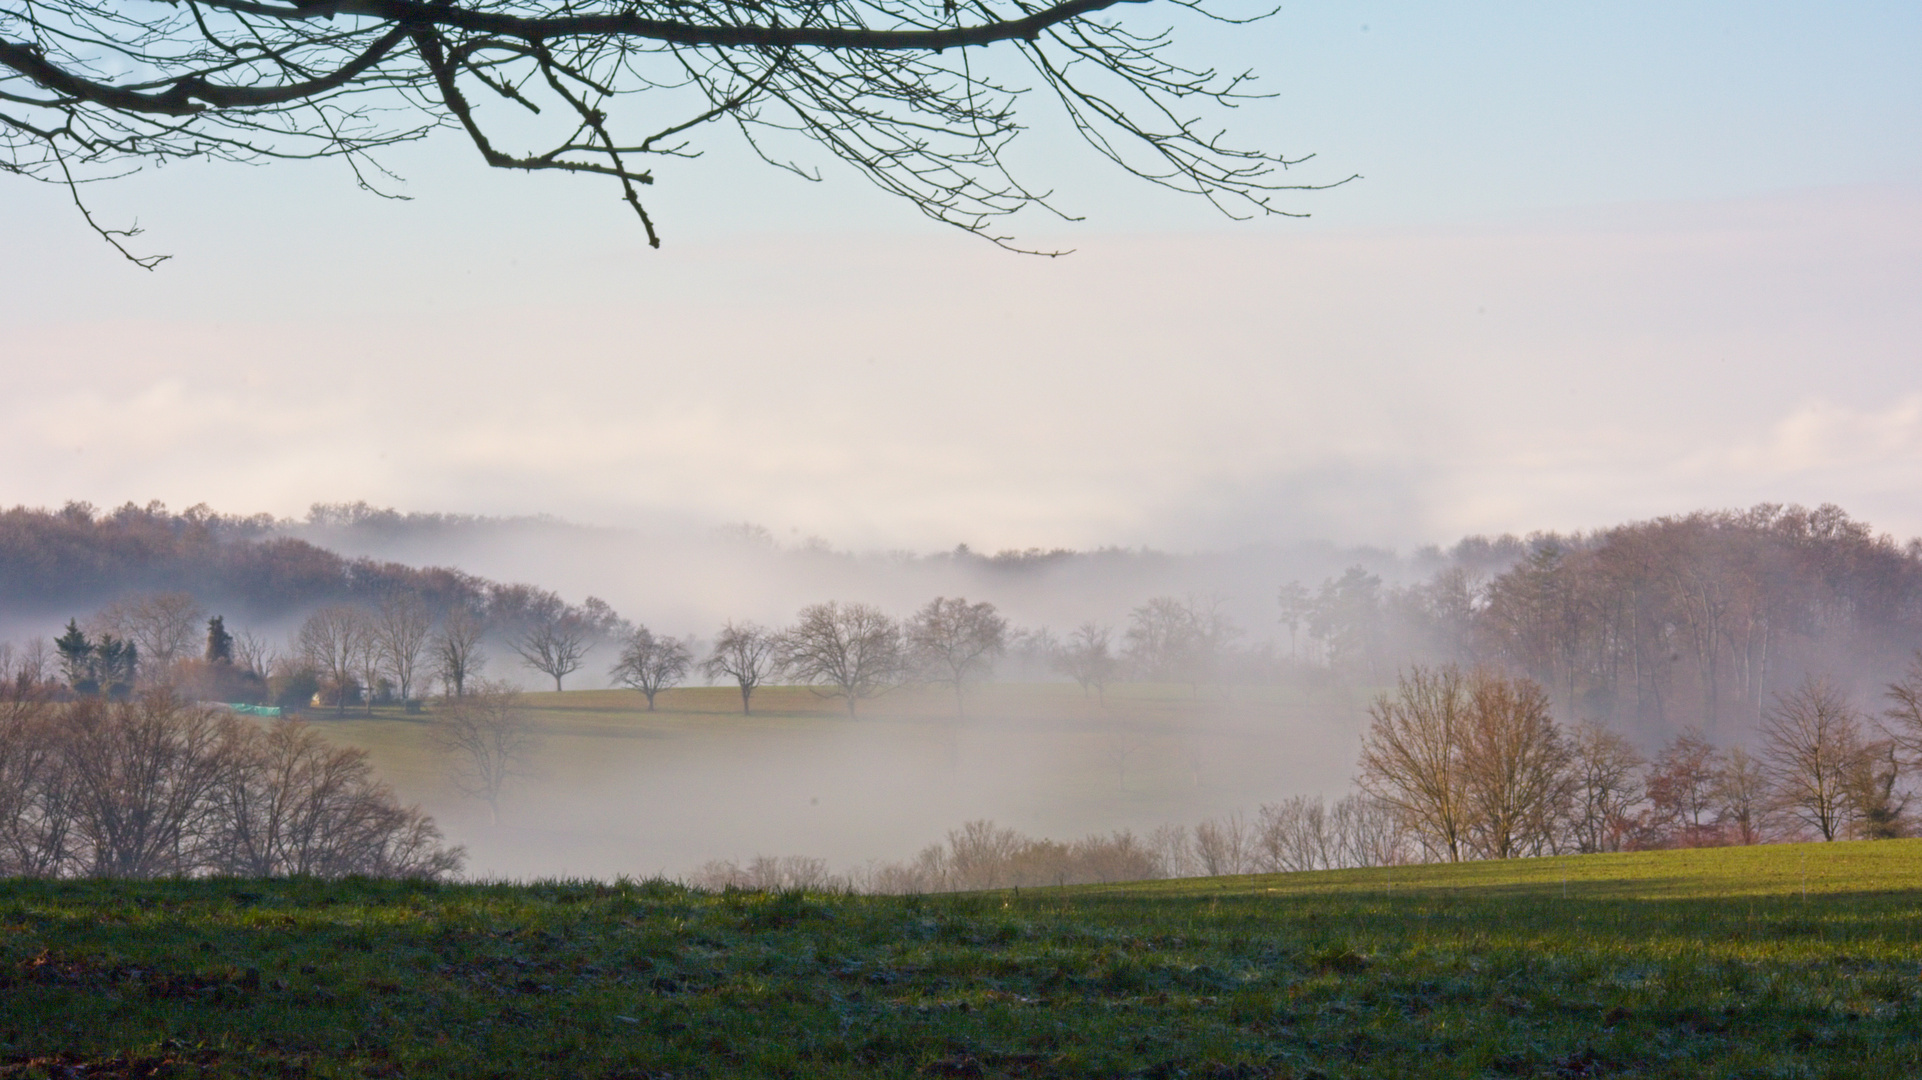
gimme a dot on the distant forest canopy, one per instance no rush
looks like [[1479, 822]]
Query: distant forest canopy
[[57, 561], [1655, 626]]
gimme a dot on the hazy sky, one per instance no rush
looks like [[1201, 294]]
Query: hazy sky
[[1606, 261]]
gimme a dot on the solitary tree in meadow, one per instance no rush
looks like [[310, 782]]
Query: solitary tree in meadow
[[489, 741], [849, 651], [953, 642], [556, 641], [651, 663], [746, 653], [1088, 658]]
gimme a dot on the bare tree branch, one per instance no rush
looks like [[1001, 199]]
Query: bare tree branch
[[916, 95]]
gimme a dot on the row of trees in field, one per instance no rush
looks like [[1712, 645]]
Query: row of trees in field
[[396, 650], [1475, 767], [853, 652], [154, 785]]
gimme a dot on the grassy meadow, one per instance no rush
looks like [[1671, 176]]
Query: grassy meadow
[[1789, 961], [619, 790]]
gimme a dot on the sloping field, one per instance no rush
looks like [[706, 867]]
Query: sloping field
[[618, 790], [1798, 961]]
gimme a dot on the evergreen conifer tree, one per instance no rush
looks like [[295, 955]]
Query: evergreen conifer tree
[[76, 659]]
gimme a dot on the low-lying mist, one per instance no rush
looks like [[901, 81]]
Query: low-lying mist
[[1234, 679], [619, 791]]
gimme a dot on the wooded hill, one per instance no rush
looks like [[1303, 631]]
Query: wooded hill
[[75, 558]]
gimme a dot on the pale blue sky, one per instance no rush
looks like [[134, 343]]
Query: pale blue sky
[[1606, 261]]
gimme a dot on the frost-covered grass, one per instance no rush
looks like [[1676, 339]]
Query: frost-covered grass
[[1779, 961]]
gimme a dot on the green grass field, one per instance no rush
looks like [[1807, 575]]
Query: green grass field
[[1791, 961]]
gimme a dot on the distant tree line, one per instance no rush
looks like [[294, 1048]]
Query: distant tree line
[[1696, 621], [79, 555]]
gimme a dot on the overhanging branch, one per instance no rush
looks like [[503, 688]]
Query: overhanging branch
[[453, 17]]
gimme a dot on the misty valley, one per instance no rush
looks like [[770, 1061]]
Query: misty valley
[[1654, 685], [302, 798]]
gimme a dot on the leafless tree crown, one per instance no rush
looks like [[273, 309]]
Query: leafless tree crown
[[1812, 746], [456, 651], [489, 741], [400, 632], [556, 640], [651, 663], [333, 641], [1088, 658], [155, 785], [954, 642], [163, 626], [919, 96], [746, 653], [850, 651]]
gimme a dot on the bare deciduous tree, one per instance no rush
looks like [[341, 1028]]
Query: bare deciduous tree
[[143, 772], [920, 98], [1606, 770], [1088, 658], [979, 853], [457, 651], [1225, 846], [157, 785], [556, 642], [1514, 767], [1681, 791], [1370, 832], [1812, 746], [1410, 758], [369, 669], [36, 781], [296, 804], [651, 664], [401, 629], [1306, 833], [163, 626], [1170, 640], [1742, 797], [954, 643], [489, 741], [254, 654], [745, 653], [1293, 835], [1903, 718], [1874, 803], [333, 641], [850, 651]]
